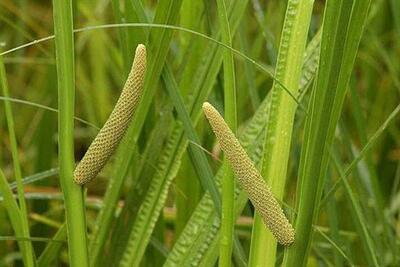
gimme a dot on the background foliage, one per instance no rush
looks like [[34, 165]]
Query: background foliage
[[155, 203]]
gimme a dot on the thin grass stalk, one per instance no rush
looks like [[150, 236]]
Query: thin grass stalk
[[106, 214], [100, 82], [357, 214], [189, 58], [198, 156], [52, 249], [28, 254], [73, 193], [122, 36], [14, 213], [281, 118], [377, 194], [342, 29], [332, 212], [11, 206], [228, 182], [362, 153], [203, 250], [248, 67]]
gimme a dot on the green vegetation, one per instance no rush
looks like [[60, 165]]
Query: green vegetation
[[73, 194], [310, 88]]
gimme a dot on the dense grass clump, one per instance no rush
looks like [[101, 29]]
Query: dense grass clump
[[300, 166]]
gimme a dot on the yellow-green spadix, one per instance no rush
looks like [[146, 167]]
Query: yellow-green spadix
[[114, 129], [250, 179]]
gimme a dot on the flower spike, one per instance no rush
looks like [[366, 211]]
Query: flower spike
[[108, 138], [250, 179]]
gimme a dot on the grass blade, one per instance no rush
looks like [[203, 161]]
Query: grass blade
[[280, 122], [28, 254], [228, 182], [13, 212], [342, 30], [198, 243], [52, 249], [158, 199], [169, 164], [358, 217], [197, 155], [73, 193]]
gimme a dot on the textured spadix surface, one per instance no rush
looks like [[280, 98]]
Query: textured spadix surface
[[250, 179], [114, 129]]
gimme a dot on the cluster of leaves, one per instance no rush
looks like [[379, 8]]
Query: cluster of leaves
[[158, 202]]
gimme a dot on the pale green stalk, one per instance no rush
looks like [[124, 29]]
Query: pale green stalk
[[281, 117], [228, 182], [342, 30], [73, 193], [28, 255]]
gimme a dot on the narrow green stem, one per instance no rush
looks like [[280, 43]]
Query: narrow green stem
[[29, 258], [122, 36], [342, 30], [106, 214], [228, 182], [280, 121], [73, 194]]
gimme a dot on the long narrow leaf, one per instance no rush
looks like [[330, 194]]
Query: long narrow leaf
[[342, 30], [280, 121], [198, 242], [73, 193], [28, 253]]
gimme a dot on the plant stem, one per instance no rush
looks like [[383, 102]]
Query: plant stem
[[73, 193], [280, 121], [228, 182], [28, 255], [342, 29]]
